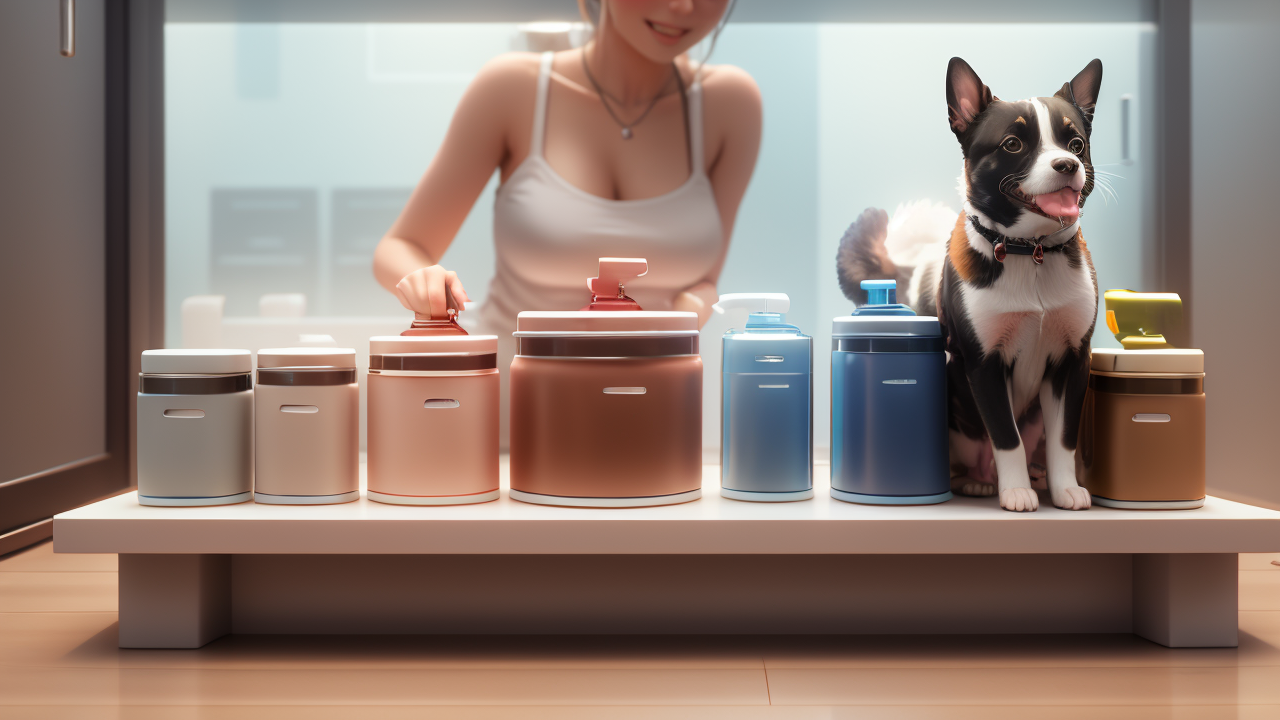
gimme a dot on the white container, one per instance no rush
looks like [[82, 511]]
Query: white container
[[195, 427], [307, 426]]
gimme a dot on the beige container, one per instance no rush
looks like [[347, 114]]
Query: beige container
[[1142, 429], [308, 426], [433, 419]]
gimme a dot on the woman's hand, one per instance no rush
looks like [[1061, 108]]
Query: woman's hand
[[431, 291], [697, 299]]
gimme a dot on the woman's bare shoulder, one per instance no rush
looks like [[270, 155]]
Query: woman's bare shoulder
[[731, 86], [507, 72]]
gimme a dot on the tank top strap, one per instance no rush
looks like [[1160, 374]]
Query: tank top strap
[[540, 107], [695, 124]]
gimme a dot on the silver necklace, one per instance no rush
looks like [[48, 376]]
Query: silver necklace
[[605, 98]]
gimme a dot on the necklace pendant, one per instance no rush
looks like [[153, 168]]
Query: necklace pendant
[[1038, 254], [1000, 252], [626, 133]]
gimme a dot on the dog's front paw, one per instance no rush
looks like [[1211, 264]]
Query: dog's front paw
[[1019, 499], [1072, 498]]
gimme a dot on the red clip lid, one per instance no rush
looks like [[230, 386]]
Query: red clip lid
[[623, 315], [607, 290]]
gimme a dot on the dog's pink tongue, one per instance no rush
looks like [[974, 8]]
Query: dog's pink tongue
[[1063, 203]]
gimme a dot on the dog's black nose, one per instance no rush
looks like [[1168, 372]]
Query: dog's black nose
[[1066, 166]]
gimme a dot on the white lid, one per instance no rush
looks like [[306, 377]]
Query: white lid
[[307, 357], [607, 322], [886, 325], [1173, 360], [409, 344], [196, 362]]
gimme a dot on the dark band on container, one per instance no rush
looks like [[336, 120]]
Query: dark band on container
[[607, 347], [311, 376], [888, 344], [438, 363], [193, 384], [1146, 386]]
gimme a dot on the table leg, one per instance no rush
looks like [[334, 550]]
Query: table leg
[[174, 601], [1186, 600]]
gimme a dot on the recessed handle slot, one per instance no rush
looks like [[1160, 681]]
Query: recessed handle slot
[[900, 381], [774, 387], [184, 413], [770, 358], [1152, 417], [625, 391], [301, 409], [440, 404]]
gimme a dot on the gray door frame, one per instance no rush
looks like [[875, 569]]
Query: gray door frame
[[134, 253]]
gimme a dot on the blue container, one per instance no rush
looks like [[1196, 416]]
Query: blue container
[[766, 419], [888, 404]]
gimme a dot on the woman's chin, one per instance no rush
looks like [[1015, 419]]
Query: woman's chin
[[659, 53], [657, 47]]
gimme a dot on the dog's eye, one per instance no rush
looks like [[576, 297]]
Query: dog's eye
[[1012, 144], [1076, 145]]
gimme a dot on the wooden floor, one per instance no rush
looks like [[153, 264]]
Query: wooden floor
[[58, 659]]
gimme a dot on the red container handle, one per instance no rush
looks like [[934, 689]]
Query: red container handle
[[607, 289]]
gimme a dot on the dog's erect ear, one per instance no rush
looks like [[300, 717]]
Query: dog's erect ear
[[1082, 91], [967, 97]]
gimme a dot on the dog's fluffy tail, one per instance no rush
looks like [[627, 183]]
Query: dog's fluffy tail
[[909, 249]]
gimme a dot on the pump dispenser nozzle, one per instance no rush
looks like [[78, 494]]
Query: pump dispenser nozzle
[[754, 302], [766, 309]]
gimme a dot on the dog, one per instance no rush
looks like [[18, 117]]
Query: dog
[[1012, 283]]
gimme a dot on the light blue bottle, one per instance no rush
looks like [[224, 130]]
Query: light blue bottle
[[766, 420], [888, 404]]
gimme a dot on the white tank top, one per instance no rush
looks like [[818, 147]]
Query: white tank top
[[548, 235]]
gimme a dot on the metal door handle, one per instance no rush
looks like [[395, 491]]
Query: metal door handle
[[67, 14]]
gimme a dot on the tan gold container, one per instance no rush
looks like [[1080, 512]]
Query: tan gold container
[[308, 426], [1142, 432]]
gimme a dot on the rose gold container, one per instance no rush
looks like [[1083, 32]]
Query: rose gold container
[[307, 427], [433, 419], [1142, 431], [606, 409]]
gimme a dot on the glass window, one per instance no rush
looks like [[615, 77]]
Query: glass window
[[292, 146]]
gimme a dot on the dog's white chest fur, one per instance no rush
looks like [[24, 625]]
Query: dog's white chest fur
[[1031, 315]]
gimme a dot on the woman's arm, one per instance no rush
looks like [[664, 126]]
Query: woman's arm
[[406, 260], [732, 126]]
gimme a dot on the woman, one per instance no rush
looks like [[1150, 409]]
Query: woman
[[620, 148]]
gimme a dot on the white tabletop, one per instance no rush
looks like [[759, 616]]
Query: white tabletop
[[712, 525]]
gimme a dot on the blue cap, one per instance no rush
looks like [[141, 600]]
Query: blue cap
[[881, 292]]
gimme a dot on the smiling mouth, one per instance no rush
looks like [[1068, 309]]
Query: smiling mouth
[[667, 31], [1062, 204]]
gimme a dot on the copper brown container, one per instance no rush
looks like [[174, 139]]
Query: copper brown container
[[1142, 432], [606, 405]]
